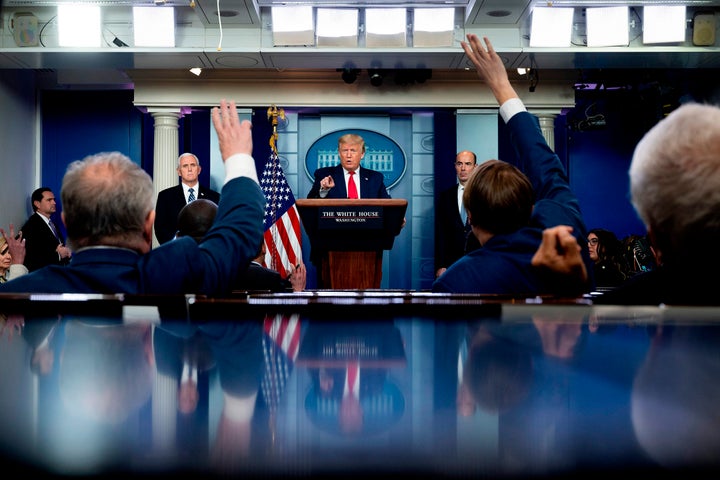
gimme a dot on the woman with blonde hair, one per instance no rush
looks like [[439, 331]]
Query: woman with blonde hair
[[11, 264]]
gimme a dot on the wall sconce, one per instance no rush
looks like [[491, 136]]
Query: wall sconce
[[349, 75]]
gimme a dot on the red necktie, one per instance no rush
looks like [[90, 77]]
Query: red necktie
[[352, 373], [352, 189]]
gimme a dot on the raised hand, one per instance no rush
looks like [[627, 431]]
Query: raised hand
[[16, 245], [234, 136], [490, 67], [559, 251]]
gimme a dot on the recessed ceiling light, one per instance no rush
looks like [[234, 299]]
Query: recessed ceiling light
[[498, 13]]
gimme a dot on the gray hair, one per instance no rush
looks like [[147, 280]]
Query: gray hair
[[675, 178], [106, 199], [187, 154]]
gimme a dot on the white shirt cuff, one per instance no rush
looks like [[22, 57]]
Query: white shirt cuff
[[240, 165], [510, 108]]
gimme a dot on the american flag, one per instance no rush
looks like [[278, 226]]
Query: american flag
[[283, 238], [281, 342]]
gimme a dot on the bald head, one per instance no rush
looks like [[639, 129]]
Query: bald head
[[196, 218]]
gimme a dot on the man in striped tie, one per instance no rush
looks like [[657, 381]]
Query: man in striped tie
[[171, 200], [44, 243]]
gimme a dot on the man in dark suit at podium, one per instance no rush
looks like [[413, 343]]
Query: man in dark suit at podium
[[171, 200], [348, 180]]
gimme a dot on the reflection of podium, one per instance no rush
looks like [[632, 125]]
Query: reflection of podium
[[347, 238]]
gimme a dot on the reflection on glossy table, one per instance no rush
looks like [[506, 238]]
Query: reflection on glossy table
[[356, 383]]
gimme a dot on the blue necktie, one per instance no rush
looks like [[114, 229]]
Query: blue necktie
[[54, 230], [191, 195]]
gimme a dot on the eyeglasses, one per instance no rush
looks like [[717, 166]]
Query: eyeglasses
[[593, 241]]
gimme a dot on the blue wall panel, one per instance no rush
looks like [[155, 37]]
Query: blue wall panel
[[77, 124]]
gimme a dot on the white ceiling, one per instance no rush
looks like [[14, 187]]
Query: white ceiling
[[238, 36]]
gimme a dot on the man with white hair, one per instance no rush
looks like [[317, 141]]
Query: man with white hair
[[675, 189]]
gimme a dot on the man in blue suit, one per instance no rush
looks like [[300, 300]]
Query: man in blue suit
[[509, 209], [337, 181], [108, 214]]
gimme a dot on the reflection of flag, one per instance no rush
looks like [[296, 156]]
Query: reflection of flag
[[282, 223], [281, 342]]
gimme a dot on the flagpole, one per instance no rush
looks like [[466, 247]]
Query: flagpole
[[273, 112], [283, 234]]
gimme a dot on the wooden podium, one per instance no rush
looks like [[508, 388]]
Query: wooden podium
[[347, 238]]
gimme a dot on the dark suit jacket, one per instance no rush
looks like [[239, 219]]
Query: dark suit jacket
[[452, 237], [504, 263], [257, 277], [40, 243], [169, 203], [180, 266], [372, 183]]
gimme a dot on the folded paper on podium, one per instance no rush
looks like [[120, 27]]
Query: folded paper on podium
[[347, 238]]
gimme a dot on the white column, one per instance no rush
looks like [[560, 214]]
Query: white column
[[546, 118], [166, 148]]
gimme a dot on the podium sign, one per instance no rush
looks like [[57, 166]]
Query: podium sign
[[347, 238], [350, 217]]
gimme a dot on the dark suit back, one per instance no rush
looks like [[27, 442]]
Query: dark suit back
[[372, 183], [180, 266], [257, 277], [169, 203], [40, 244]]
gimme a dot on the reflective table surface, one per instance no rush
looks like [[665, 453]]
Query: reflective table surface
[[349, 384]]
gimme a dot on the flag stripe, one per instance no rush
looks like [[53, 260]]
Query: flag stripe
[[283, 238], [280, 348]]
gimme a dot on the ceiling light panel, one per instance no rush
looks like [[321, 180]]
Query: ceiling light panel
[[154, 26], [664, 23], [551, 27], [337, 27], [386, 27], [293, 26], [79, 25], [608, 26], [433, 27]]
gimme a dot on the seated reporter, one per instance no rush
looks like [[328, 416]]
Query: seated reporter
[[195, 219], [109, 212]]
